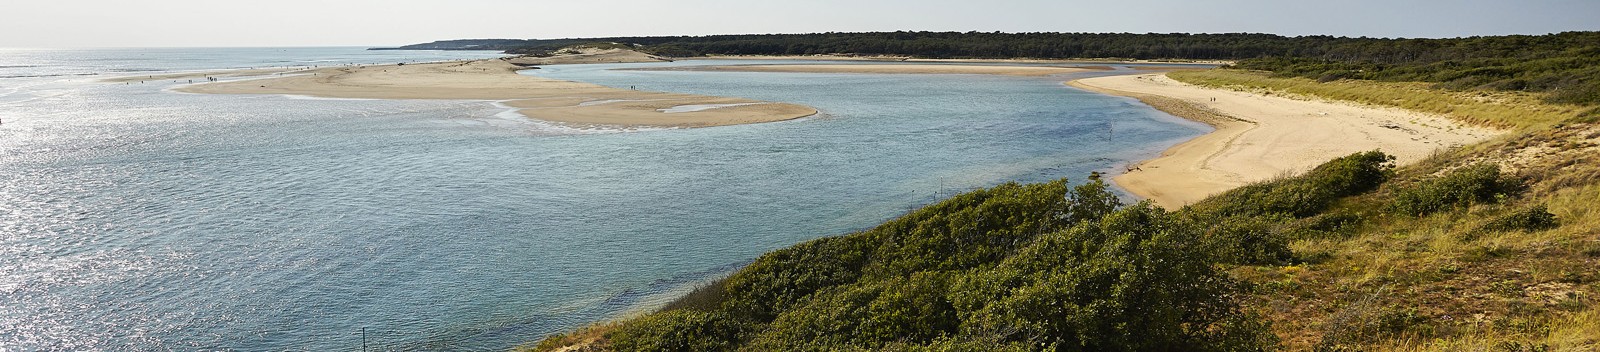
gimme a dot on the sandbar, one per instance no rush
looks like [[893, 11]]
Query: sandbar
[[1259, 137], [202, 75], [498, 80]]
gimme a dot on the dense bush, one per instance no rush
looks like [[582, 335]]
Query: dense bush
[[1022, 267], [781, 279], [973, 229], [1249, 240], [1533, 218], [678, 330], [1479, 183], [1334, 223], [1014, 267], [868, 315], [1305, 195], [1137, 280]]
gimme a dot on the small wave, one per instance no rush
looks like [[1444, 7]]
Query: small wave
[[701, 107], [308, 97], [50, 75], [608, 101], [514, 114]]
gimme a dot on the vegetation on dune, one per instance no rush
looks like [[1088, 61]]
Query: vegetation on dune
[[1518, 110], [1564, 65], [1025, 268], [1491, 247]]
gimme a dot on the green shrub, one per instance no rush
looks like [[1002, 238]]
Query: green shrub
[[951, 344], [1514, 346], [678, 330], [1533, 218], [906, 310], [1014, 267], [1137, 280], [968, 230], [976, 228], [780, 279], [1475, 184], [1304, 195], [1249, 240], [1336, 223]]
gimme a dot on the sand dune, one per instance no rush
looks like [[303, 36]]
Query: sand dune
[[1259, 137], [589, 56], [496, 79]]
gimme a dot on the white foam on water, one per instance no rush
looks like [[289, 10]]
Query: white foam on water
[[701, 107], [608, 101], [308, 97], [514, 114]]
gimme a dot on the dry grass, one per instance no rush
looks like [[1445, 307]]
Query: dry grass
[[1441, 282], [1521, 111], [586, 339]]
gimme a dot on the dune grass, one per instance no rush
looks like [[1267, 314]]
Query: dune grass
[[1503, 109]]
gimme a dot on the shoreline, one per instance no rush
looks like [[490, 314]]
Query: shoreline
[[570, 103], [910, 59], [1259, 137], [885, 69]]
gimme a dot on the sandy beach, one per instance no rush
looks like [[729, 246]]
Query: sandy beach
[[889, 68], [496, 79], [1259, 137]]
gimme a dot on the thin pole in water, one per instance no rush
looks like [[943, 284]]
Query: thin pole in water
[[1111, 127], [363, 339]]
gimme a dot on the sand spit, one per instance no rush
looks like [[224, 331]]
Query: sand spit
[[496, 79]]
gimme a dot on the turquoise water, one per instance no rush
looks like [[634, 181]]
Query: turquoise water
[[136, 218]]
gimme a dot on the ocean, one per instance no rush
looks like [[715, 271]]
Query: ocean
[[136, 218]]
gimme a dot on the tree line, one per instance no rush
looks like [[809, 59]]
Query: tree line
[[1564, 65]]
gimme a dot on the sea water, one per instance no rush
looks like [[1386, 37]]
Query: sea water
[[136, 218]]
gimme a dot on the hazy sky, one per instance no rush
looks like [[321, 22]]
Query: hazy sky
[[99, 23]]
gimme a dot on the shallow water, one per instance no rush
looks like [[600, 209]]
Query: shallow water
[[136, 218]]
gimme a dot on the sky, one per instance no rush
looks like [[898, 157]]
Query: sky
[[222, 23]]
